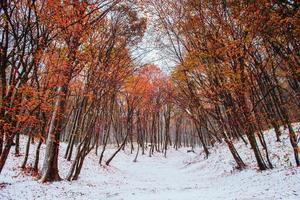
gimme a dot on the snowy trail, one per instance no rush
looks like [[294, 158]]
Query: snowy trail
[[148, 178], [180, 176]]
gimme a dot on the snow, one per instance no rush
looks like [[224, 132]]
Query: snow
[[180, 176]]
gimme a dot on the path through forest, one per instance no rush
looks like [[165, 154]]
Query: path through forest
[[181, 176]]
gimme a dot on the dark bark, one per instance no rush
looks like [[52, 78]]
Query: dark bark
[[106, 136], [198, 128], [5, 152], [17, 145], [167, 117], [117, 151], [37, 156], [23, 166]]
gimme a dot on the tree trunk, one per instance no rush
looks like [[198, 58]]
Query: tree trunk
[[240, 163], [17, 145], [118, 150], [50, 165], [106, 136], [137, 153], [37, 156], [5, 152], [198, 128], [26, 153]]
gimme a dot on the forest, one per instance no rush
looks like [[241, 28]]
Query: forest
[[91, 88]]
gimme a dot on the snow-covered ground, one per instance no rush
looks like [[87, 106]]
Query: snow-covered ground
[[181, 176]]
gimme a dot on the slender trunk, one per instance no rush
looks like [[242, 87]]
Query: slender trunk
[[26, 153], [167, 128], [198, 128], [1, 141], [17, 145], [83, 149], [293, 140], [143, 141], [106, 136], [277, 131], [131, 143], [72, 169], [247, 119], [258, 156], [73, 132], [2, 92], [118, 150], [240, 163], [264, 145], [37, 156], [5, 152], [137, 153], [71, 147], [97, 143]]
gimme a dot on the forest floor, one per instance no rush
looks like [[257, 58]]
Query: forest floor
[[181, 176]]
